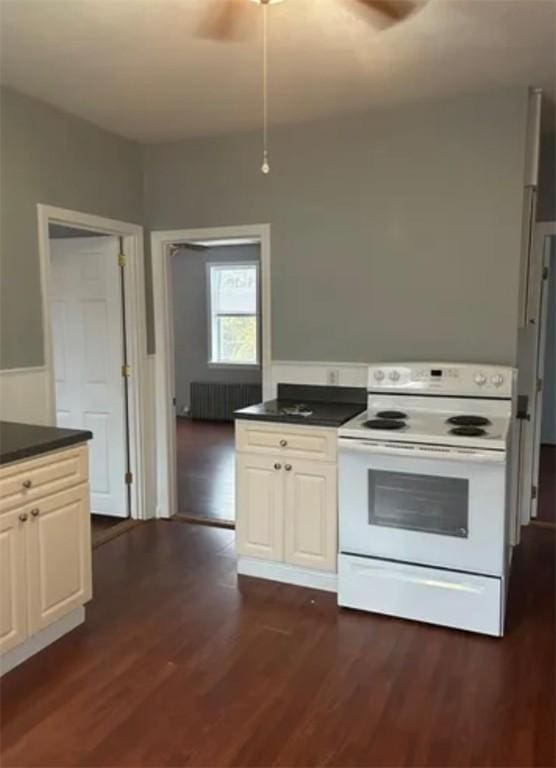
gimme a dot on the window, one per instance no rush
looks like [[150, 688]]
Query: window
[[233, 314]]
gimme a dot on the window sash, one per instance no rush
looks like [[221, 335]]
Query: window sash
[[216, 351]]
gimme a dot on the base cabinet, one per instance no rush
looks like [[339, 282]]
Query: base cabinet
[[286, 508], [59, 556], [260, 492], [45, 552], [310, 515], [13, 581]]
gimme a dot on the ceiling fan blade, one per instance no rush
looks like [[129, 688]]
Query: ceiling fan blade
[[385, 13], [224, 20]]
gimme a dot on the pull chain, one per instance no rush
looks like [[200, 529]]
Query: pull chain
[[265, 167]]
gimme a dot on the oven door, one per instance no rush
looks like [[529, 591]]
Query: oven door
[[431, 505]]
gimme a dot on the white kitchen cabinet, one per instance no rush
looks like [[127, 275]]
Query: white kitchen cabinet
[[59, 556], [13, 592], [260, 491], [311, 515], [286, 504], [45, 550]]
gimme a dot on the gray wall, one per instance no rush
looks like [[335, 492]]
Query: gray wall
[[548, 431], [189, 286], [51, 157], [394, 234]]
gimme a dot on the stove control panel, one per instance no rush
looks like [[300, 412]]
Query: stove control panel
[[456, 379]]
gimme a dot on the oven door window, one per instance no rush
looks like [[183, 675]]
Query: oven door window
[[425, 503]]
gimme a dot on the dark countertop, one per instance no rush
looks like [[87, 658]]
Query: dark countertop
[[330, 406], [23, 441]]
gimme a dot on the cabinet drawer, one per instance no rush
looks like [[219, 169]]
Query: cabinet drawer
[[28, 480], [317, 443]]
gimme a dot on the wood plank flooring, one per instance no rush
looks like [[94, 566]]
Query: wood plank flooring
[[206, 469], [181, 664]]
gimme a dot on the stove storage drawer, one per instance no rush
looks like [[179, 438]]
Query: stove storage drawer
[[286, 440], [436, 596]]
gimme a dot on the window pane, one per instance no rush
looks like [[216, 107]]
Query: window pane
[[236, 339], [234, 289]]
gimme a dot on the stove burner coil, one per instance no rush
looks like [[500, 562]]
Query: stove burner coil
[[385, 424], [391, 415], [468, 431], [469, 421]]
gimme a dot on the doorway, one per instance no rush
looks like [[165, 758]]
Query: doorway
[[546, 512], [208, 494], [217, 367], [94, 324]]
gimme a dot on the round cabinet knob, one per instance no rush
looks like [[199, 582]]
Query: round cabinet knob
[[35, 512], [394, 375], [497, 380], [277, 466], [379, 375], [480, 379], [27, 483], [288, 467], [283, 443], [23, 517]]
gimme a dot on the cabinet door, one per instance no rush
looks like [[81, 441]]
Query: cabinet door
[[311, 515], [13, 588], [259, 507], [59, 556]]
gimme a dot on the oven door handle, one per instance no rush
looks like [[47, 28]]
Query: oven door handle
[[422, 452]]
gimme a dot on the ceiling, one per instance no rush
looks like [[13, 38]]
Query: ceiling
[[136, 68]]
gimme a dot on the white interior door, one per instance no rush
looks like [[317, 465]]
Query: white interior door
[[85, 295]]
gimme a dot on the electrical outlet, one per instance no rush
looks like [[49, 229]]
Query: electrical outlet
[[332, 377]]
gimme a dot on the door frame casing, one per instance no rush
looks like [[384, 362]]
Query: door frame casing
[[136, 330], [161, 253], [541, 259]]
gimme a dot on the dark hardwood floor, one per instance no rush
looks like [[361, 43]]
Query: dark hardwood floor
[[181, 664], [206, 469], [547, 485]]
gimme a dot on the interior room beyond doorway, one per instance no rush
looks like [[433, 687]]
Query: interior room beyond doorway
[[218, 367]]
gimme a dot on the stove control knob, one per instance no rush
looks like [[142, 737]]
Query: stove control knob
[[480, 379], [394, 375], [379, 375], [497, 379]]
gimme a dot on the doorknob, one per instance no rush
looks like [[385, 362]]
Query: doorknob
[[23, 517], [287, 467], [35, 512], [277, 466], [27, 483], [283, 443]]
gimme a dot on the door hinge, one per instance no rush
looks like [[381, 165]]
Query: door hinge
[[545, 273], [128, 478], [121, 260], [533, 491], [126, 371], [539, 385]]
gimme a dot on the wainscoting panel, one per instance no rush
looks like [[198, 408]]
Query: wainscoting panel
[[296, 372], [24, 395]]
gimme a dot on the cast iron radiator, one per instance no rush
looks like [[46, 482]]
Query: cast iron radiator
[[217, 402]]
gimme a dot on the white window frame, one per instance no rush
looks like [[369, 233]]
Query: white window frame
[[210, 320]]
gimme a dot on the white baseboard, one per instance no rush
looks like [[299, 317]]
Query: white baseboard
[[41, 640], [24, 395], [288, 574], [299, 372]]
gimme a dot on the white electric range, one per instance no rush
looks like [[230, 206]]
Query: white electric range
[[424, 495]]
